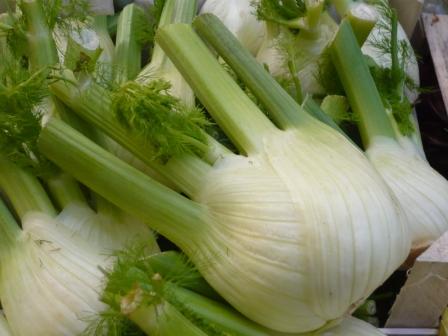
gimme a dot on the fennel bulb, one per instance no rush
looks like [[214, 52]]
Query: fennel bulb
[[239, 18], [421, 190], [48, 284], [109, 229]]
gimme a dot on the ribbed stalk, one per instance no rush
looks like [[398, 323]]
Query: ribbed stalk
[[361, 16], [169, 213], [9, 229], [359, 86], [24, 190], [235, 113], [42, 47], [128, 47], [174, 11], [94, 106], [64, 190], [283, 109], [314, 10], [106, 43], [164, 319], [43, 54]]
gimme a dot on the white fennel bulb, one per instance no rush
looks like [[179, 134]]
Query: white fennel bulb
[[303, 238], [421, 190], [48, 284], [109, 229], [4, 327], [240, 19]]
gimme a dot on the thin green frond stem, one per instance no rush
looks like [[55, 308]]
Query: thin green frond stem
[[296, 80], [169, 213], [93, 104], [229, 106], [361, 16], [359, 86], [396, 67], [164, 319], [42, 49], [283, 109], [9, 229], [64, 190], [314, 10], [24, 190], [128, 48]]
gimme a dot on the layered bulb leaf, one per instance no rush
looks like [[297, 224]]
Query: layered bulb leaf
[[49, 285], [422, 191], [51, 271], [109, 229], [239, 18], [304, 240]]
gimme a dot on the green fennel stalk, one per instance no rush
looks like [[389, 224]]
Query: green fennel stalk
[[359, 86]]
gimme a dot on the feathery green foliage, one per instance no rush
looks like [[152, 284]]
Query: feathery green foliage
[[21, 94], [278, 11], [170, 127], [392, 81], [66, 14]]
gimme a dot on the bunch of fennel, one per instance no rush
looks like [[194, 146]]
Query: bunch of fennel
[[247, 214]]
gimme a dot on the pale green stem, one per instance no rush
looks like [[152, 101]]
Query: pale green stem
[[42, 47], [361, 16], [24, 190], [9, 229], [313, 12], [176, 217], [64, 190], [359, 86], [174, 11], [164, 319], [231, 108], [127, 60], [43, 54], [283, 109], [106, 43]]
